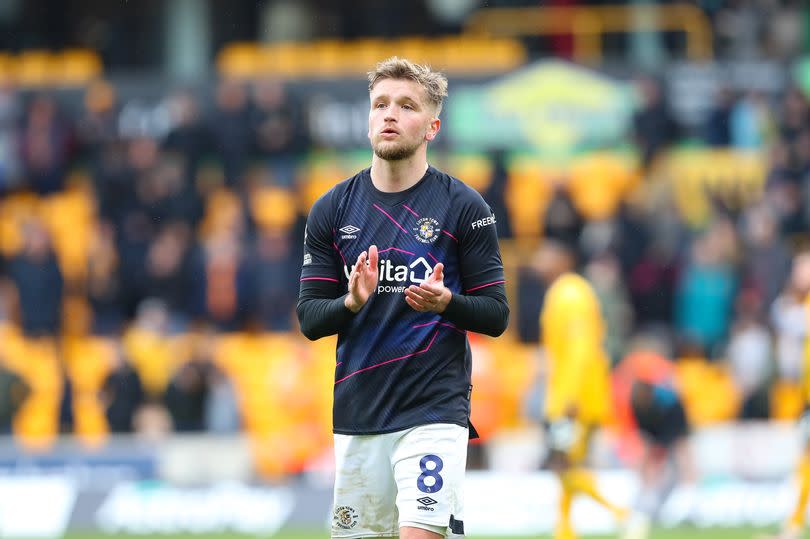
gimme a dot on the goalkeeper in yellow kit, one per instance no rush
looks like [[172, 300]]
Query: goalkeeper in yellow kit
[[578, 391]]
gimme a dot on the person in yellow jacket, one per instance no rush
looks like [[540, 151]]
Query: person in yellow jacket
[[578, 390]]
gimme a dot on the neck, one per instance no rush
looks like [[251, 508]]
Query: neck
[[395, 176]]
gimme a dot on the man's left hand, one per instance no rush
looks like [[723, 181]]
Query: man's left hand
[[431, 295]]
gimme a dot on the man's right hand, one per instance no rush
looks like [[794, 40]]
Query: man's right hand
[[362, 280]]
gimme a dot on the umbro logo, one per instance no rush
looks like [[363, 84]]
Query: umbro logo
[[426, 500], [349, 232]]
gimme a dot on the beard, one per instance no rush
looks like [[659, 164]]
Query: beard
[[395, 152]]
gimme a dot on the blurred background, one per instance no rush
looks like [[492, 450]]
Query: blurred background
[[157, 163]]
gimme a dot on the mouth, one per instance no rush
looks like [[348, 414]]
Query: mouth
[[389, 131]]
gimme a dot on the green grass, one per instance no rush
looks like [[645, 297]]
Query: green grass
[[680, 533]]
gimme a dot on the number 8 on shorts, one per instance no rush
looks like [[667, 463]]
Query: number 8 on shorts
[[430, 480]]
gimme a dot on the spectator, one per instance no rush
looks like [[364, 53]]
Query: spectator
[[705, 291], [766, 264], [789, 319], [189, 136], [230, 126], [14, 390], [718, 124], [274, 268], [654, 129], [122, 394], [749, 354], [186, 396], [278, 129], [38, 279], [10, 160], [46, 145]]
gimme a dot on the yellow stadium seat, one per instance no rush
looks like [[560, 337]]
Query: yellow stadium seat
[[7, 68], [708, 391], [151, 355], [88, 361], [365, 53], [71, 221], [14, 210], [223, 211], [786, 400], [285, 59], [273, 208], [37, 422], [598, 183], [528, 192], [35, 68], [474, 169], [415, 48], [77, 66], [328, 58], [239, 60], [283, 410]]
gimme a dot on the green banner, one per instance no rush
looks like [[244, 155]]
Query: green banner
[[551, 107]]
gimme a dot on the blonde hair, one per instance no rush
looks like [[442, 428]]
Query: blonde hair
[[433, 82]]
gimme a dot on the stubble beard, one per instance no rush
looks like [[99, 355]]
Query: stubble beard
[[395, 152]]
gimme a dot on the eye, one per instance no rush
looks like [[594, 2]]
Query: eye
[[379, 105]]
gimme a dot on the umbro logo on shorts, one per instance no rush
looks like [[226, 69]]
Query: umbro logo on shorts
[[426, 500]]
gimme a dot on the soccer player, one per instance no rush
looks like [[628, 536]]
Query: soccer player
[[427, 269], [667, 458], [578, 392]]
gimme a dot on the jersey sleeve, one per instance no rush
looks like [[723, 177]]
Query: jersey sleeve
[[479, 254], [319, 262]]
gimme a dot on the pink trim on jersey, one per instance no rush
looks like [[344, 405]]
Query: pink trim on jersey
[[433, 257], [410, 210], [319, 279], [390, 360], [392, 219], [451, 326], [338, 250], [484, 285], [396, 249], [452, 236]]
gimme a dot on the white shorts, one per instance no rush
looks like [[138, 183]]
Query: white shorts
[[412, 477]]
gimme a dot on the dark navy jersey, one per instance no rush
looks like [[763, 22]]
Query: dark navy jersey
[[395, 367]]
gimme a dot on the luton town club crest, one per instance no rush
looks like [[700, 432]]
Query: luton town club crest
[[427, 230], [345, 517]]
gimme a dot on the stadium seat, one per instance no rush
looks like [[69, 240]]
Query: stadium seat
[[14, 210], [88, 360], [7, 67], [786, 400], [709, 393], [37, 422], [35, 68], [528, 191], [71, 220], [597, 184], [240, 60], [273, 208], [475, 169], [76, 67], [151, 355]]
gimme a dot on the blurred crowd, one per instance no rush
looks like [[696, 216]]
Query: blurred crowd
[[149, 283]]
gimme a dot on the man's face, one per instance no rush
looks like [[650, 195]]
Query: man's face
[[400, 120]]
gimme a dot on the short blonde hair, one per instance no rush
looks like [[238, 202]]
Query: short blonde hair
[[434, 82]]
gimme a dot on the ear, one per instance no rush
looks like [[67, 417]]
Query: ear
[[433, 129]]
